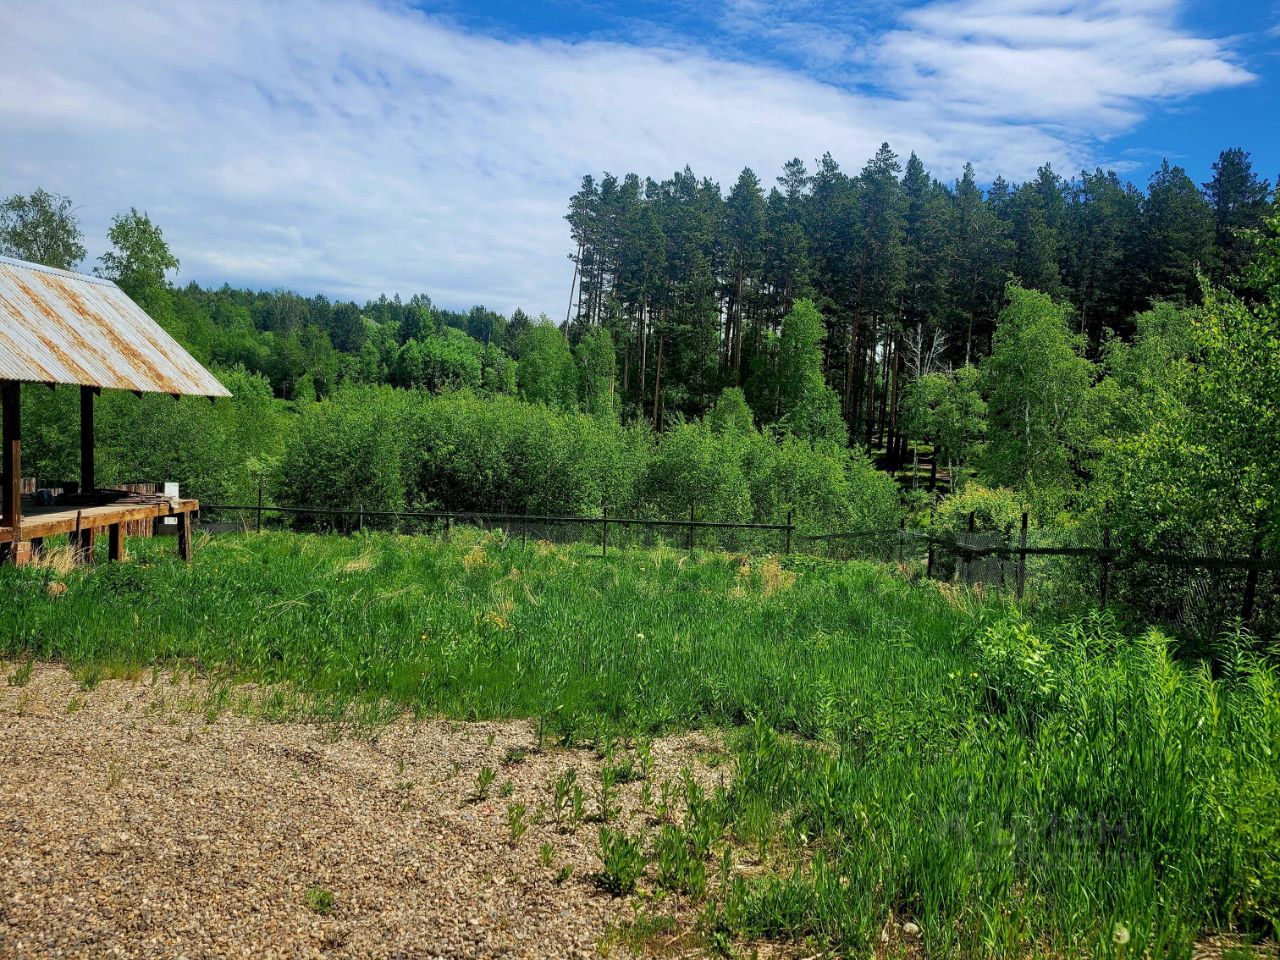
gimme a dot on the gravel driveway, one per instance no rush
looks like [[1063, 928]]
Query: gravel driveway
[[134, 822]]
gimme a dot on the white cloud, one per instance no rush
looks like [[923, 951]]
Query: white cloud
[[358, 146]]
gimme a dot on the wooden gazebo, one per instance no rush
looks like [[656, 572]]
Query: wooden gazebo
[[58, 327]]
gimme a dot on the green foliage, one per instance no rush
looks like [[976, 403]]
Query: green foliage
[[1015, 670], [996, 509], [1194, 451], [948, 409], [622, 862], [345, 453], [826, 487], [809, 408], [1040, 400], [41, 228], [692, 467], [597, 371], [140, 258], [465, 452], [447, 360], [547, 373], [731, 414]]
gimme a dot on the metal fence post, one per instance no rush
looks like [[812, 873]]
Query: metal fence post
[[1104, 568], [691, 528], [1022, 557], [604, 533], [1251, 578], [360, 518], [448, 527], [790, 529], [902, 536], [259, 503], [968, 555]]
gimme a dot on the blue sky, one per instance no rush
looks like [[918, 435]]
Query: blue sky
[[361, 146], [1189, 132]]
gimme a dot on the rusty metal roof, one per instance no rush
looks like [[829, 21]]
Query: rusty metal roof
[[63, 327]]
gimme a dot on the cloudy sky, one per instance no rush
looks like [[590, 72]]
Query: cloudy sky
[[353, 147]]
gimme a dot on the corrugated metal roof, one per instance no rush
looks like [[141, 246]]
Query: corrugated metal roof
[[63, 327]]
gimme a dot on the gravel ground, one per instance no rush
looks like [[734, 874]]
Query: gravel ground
[[135, 824]]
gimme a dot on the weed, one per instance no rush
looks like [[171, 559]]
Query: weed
[[562, 790], [517, 823], [484, 782], [319, 900], [547, 854], [515, 755], [679, 867], [639, 934], [21, 675], [622, 861]]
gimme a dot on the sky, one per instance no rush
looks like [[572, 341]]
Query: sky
[[355, 147]]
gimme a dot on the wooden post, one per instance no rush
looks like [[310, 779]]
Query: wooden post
[[11, 496], [1022, 556], [76, 542], [184, 535], [115, 543], [87, 481]]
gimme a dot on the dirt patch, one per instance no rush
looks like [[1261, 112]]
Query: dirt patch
[[134, 822]]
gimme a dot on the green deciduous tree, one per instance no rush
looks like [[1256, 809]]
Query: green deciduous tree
[[41, 228], [139, 258], [808, 407], [1040, 406], [597, 372], [547, 373]]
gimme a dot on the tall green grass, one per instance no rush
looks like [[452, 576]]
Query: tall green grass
[[902, 753]]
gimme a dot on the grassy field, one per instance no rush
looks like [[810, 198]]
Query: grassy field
[[913, 768]]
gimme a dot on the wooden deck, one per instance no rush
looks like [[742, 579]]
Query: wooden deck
[[40, 522], [83, 523]]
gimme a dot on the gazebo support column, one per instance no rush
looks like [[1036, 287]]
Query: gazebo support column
[[83, 548], [11, 434], [87, 481]]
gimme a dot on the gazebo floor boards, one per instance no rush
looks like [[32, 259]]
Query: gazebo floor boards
[[37, 523]]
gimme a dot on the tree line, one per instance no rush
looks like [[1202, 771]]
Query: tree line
[[908, 272]]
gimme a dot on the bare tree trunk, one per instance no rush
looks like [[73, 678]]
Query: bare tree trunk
[[657, 388], [871, 378]]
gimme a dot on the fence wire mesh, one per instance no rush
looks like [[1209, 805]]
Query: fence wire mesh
[[1198, 586]]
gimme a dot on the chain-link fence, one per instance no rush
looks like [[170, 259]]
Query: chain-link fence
[[609, 532], [1194, 587]]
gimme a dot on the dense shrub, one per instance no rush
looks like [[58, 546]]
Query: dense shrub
[[464, 452], [345, 453], [693, 467], [995, 509], [829, 489]]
